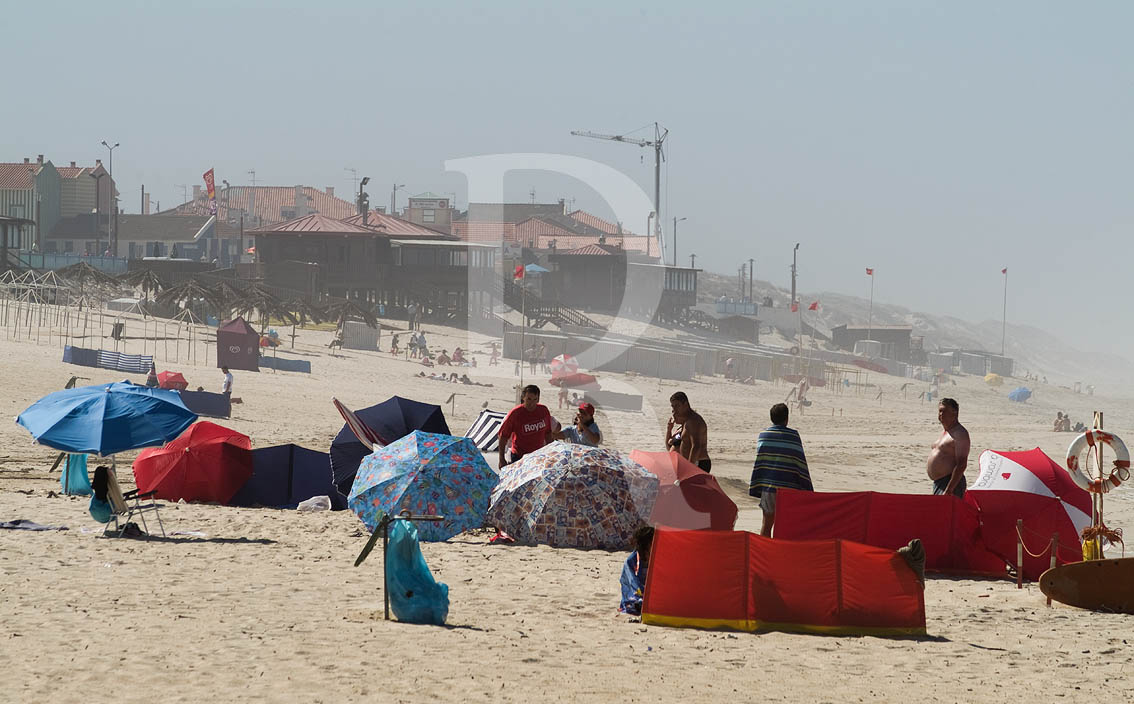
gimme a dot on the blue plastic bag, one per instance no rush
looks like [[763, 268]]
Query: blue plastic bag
[[415, 596]]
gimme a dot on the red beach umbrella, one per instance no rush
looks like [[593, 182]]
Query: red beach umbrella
[[207, 463], [688, 497], [172, 380], [1031, 487]]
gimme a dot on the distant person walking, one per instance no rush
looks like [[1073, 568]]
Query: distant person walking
[[226, 386], [411, 316], [151, 378], [780, 464], [950, 454], [687, 432]]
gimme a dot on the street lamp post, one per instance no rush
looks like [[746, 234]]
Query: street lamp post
[[363, 200], [98, 207], [113, 197], [394, 199], [675, 221]]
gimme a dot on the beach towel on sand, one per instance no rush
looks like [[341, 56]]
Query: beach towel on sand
[[24, 524], [633, 583]]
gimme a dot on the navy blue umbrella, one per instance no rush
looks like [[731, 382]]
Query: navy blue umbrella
[[107, 418], [392, 420]]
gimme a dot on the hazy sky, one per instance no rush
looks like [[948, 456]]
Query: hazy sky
[[936, 142]]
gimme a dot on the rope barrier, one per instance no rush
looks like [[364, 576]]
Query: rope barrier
[[1032, 554]]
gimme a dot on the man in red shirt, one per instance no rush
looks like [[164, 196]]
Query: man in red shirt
[[526, 428]]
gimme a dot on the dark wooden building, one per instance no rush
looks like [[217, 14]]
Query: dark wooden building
[[379, 259], [894, 339], [604, 277]]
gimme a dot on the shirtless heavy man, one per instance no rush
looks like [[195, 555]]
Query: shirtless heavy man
[[687, 432], [950, 454]]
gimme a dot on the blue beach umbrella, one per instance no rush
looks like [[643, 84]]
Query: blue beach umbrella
[[393, 419], [107, 418], [1020, 394], [426, 474]]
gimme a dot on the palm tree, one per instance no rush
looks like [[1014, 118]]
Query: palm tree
[[345, 310], [82, 274], [186, 294], [230, 300], [145, 279]]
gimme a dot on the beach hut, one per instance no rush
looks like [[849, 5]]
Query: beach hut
[[238, 346]]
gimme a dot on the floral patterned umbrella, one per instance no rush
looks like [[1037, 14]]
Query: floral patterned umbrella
[[427, 474], [573, 496]]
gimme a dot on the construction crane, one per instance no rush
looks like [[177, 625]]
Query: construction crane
[[659, 156]]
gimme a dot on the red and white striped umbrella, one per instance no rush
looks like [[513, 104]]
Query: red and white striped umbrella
[[1032, 487], [564, 364]]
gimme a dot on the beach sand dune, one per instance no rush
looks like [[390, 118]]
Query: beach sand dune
[[263, 605]]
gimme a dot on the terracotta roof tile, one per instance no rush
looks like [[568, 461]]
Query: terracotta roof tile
[[633, 243], [272, 204], [316, 223], [597, 222], [594, 250], [396, 227], [485, 231], [17, 176]]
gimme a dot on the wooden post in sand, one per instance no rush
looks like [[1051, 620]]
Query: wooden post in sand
[[1051, 565], [1019, 553]]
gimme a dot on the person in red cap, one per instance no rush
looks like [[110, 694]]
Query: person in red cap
[[584, 430], [526, 428]]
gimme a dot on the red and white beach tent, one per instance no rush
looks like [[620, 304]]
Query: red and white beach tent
[[1030, 486]]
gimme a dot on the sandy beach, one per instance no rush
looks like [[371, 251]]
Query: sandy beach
[[266, 606]]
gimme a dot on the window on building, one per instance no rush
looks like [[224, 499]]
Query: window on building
[[428, 215], [68, 246], [458, 257], [16, 211], [397, 256], [287, 213]]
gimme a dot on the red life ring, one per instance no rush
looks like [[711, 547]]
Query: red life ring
[[1119, 474]]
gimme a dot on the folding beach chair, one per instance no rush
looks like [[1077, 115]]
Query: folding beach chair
[[124, 506]]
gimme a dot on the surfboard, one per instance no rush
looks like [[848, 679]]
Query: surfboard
[[1099, 585]]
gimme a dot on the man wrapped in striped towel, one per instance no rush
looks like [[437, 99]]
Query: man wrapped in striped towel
[[780, 463]]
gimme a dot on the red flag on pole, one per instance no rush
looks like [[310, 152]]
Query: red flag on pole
[[519, 272], [869, 271], [794, 307], [814, 305], [1004, 270], [211, 188]]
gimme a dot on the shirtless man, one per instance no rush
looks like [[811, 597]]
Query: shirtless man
[[950, 454], [687, 432]]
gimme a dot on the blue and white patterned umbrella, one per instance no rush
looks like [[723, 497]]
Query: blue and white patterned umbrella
[[573, 496]]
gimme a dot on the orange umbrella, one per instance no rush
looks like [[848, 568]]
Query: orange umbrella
[[688, 497]]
